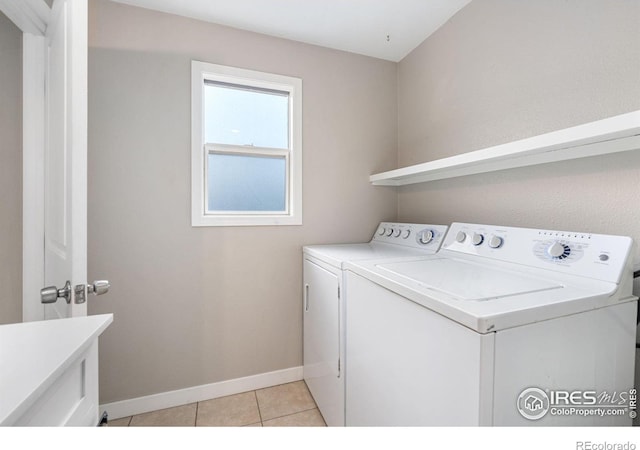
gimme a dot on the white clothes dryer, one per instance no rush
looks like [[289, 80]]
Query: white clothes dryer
[[503, 326], [324, 301]]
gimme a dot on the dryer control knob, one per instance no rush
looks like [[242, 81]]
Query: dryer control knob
[[558, 250], [461, 236], [426, 236], [397, 233], [477, 239], [390, 231], [406, 234], [381, 231], [495, 242]]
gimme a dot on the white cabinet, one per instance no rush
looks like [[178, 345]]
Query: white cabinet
[[321, 321], [49, 372]]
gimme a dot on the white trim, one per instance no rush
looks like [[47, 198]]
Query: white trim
[[77, 132], [245, 150], [33, 143], [201, 71], [611, 135], [194, 394], [31, 16]]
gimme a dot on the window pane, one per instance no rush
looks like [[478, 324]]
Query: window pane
[[246, 183], [238, 116]]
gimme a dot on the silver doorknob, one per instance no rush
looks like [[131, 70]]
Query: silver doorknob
[[99, 287], [51, 294]]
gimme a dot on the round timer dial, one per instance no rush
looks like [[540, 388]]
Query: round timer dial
[[558, 250], [426, 236]]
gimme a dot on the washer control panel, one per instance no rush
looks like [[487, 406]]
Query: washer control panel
[[562, 247], [598, 256], [411, 234]]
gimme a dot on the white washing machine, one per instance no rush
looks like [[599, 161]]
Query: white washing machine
[[503, 326], [324, 300]]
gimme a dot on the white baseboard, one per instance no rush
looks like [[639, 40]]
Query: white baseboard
[[194, 394]]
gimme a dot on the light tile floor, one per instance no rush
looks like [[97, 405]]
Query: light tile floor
[[286, 405]]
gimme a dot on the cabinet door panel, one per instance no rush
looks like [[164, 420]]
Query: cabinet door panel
[[322, 340]]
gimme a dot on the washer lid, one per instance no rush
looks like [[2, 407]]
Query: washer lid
[[336, 255], [467, 280]]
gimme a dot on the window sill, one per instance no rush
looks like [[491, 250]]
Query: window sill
[[246, 221]]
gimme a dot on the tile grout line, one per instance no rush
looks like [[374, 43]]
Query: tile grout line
[[297, 412], [255, 395]]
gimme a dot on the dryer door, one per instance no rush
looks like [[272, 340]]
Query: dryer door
[[322, 341]]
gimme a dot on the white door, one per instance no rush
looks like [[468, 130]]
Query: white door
[[65, 162], [55, 45], [54, 150]]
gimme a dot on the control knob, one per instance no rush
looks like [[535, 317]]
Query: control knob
[[390, 231], [477, 239], [396, 233], [381, 231], [461, 236], [426, 236], [406, 234], [558, 250], [495, 242]]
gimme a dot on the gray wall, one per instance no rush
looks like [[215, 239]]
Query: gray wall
[[505, 70], [201, 305], [10, 172]]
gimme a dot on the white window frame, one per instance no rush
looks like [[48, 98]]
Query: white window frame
[[201, 71]]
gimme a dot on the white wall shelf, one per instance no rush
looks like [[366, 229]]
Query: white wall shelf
[[614, 134]]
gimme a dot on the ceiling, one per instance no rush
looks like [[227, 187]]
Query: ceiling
[[386, 29]]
